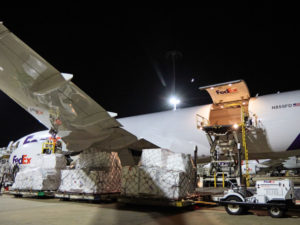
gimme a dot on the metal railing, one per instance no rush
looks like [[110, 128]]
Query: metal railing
[[48, 147], [201, 121]]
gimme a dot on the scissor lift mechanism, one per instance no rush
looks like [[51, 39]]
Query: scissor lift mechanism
[[225, 144]]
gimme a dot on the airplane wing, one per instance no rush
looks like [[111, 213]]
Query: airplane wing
[[273, 163], [270, 165], [54, 100]]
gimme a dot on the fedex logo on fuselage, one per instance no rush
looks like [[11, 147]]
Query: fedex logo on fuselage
[[227, 91], [23, 160]]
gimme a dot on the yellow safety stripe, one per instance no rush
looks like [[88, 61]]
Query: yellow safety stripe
[[48, 145], [245, 147]]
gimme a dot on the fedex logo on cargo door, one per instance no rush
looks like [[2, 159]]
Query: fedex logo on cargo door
[[23, 160], [227, 91]]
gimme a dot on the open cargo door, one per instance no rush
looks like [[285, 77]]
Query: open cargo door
[[228, 92], [228, 98]]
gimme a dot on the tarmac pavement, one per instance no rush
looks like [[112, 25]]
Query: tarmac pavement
[[29, 211]]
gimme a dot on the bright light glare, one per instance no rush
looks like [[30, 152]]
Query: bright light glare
[[174, 101], [235, 126]]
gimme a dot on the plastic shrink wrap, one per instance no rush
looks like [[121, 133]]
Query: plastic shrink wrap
[[95, 172], [161, 174], [37, 179], [42, 174]]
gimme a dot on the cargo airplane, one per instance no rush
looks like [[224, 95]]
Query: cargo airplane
[[53, 99]]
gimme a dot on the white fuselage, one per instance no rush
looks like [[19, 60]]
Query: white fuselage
[[278, 128], [28, 148]]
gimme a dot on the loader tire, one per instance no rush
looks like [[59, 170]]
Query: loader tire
[[276, 212], [234, 209]]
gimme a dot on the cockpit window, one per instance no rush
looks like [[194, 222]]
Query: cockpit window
[[17, 144]]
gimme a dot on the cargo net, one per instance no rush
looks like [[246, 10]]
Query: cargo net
[[161, 174], [95, 172]]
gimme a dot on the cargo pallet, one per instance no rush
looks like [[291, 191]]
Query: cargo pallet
[[87, 196], [31, 193]]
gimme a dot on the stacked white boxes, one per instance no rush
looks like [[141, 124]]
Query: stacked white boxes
[[161, 174], [37, 179], [42, 174], [95, 172]]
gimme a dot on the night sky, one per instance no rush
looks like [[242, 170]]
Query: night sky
[[122, 58]]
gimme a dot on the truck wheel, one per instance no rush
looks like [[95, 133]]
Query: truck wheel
[[234, 209], [276, 212]]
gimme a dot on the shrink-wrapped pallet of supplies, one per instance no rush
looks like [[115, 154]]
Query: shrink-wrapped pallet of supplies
[[37, 179], [42, 174], [156, 182], [166, 175], [93, 158], [95, 173], [176, 184], [4, 167]]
